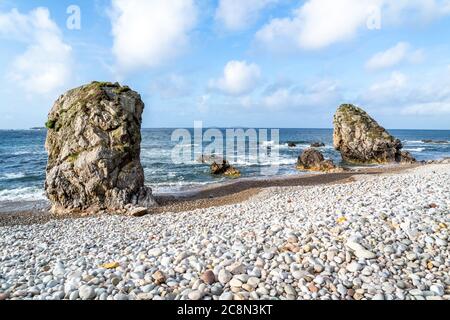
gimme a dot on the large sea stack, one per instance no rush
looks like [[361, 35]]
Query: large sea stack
[[361, 140], [93, 145]]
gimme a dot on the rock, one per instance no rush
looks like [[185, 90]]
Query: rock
[[406, 157], [236, 283], [226, 296], [354, 267], [378, 296], [317, 145], [195, 295], [93, 144], [208, 277], [224, 276], [86, 292], [360, 139], [224, 169], [155, 252], [313, 160], [292, 144], [253, 282], [138, 212], [159, 277], [438, 289], [359, 250], [74, 295], [3, 296], [236, 268]]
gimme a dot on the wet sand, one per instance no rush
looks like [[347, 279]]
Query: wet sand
[[228, 193]]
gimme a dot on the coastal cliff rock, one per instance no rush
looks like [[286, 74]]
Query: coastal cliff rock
[[225, 169], [360, 139], [93, 144], [313, 160]]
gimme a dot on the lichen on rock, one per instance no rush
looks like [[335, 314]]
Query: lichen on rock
[[360, 139], [93, 144]]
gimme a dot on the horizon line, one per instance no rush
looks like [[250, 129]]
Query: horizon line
[[235, 127]]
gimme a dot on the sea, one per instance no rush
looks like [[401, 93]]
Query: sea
[[23, 159]]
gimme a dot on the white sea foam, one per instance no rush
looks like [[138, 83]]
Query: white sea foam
[[22, 194], [415, 149], [12, 176]]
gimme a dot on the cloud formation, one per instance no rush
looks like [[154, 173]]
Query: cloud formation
[[236, 15], [399, 53], [317, 24], [148, 33], [239, 78], [285, 96], [45, 66], [428, 95]]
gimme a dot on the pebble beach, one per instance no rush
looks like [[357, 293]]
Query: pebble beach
[[377, 237]]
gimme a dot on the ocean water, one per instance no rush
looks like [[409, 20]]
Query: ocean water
[[23, 159]]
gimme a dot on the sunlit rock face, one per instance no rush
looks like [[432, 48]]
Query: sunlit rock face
[[93, 145], [360, 139]]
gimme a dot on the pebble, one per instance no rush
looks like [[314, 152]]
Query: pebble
[[195, 295], [354, 267], [224, 276], [437, 289], [86, 292], [208, 277], [392, 246]]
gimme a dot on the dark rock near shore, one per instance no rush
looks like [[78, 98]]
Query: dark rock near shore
[[93, 144], [360, 139], [313, 160], [225, 169], [317, 145], [292, 144]]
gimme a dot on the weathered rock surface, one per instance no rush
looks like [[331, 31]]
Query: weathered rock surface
[[224, 169], [93, 146], [313, 160], [360, 139]]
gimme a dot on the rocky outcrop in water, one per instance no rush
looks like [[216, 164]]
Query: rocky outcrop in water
[[313, 160], [317, 145], [360, 139], [93, 144], [225, 169]]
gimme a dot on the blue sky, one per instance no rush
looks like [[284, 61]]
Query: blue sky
[[254, 63]]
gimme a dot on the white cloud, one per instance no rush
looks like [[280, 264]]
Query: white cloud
[[171, 86], [237, 15], [402, 51], [426, 109], [239, 78], [425, 95], [280, 97], [317, 24], [149, 33], [45, 66], [320, 23]]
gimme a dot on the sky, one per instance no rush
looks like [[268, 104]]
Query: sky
[[232, 63]]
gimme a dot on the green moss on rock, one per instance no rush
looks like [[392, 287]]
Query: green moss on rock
[[50, 124]]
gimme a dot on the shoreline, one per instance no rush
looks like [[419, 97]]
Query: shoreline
[[212, 195]]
